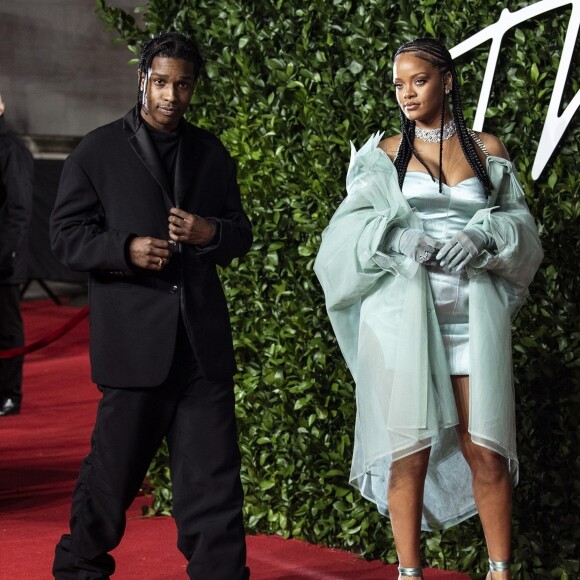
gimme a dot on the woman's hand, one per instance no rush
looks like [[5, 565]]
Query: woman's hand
[[463, 247], [415, 244]]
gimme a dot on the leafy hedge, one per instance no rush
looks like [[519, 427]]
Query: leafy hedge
[[288, 84]]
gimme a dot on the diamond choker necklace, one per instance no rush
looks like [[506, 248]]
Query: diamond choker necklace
[[432, 135]]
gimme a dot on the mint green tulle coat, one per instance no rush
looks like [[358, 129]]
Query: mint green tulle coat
[[381, 309]]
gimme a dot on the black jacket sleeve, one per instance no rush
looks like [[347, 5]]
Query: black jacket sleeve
[[16, 186]]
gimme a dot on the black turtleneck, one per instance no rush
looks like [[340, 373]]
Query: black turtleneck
[[167, 144]]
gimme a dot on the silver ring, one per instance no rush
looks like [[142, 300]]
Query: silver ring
[[161, 262]]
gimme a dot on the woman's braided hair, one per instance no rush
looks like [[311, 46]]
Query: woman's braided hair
[[434, 52], [169, 45]]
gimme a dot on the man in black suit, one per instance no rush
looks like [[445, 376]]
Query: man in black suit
[[149, 205], [16, 185]]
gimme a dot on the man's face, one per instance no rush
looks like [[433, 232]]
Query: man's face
[[170, 86]]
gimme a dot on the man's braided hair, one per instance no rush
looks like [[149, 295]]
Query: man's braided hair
[[169, 45]]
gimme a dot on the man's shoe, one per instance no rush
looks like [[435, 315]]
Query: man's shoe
[[9, 407]]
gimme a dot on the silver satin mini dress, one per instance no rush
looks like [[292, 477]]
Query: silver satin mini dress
[[443, 215]]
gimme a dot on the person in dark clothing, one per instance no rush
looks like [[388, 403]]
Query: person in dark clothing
[[16, 184], [149, 205]]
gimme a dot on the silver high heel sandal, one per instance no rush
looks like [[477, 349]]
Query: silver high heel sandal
[[499, 566], [410, 572]]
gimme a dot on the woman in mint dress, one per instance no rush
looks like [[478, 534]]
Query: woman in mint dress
[[424, 266]]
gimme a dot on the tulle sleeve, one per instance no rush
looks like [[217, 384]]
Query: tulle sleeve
[[351, 257], [518, 251]]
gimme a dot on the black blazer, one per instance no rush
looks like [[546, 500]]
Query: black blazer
[[113, 187]]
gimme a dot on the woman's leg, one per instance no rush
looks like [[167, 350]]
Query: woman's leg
[[492, 488], [405, 498]]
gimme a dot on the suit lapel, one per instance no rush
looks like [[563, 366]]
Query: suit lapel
[[145, 150], [188, 156]]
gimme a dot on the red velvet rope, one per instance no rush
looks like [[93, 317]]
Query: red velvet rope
[[48, 339]]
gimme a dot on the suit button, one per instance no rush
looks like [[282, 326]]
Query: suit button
[[174, 289]]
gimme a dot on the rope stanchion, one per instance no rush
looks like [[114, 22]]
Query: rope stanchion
[[48, 339]]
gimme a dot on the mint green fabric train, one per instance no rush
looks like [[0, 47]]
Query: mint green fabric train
[[381, 308]]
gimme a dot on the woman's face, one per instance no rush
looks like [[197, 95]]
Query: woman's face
[[418, 85]]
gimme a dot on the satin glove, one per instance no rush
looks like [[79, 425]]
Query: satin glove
[[415, 244], [463, 247]]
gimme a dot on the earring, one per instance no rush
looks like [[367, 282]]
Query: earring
[[447, 91]]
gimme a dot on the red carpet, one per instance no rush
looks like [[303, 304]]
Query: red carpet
[[40, 453]]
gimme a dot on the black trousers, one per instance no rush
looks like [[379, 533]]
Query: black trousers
[[197, 417], [11, 336]]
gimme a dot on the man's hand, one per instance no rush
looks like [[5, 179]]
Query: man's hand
[[188, 228], [150, 253]]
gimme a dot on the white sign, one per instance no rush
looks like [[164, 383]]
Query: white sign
[[554, 125]]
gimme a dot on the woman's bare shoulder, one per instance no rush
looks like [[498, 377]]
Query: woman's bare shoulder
[[494, 145], [390, 145]]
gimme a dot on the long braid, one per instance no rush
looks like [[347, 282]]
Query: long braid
[[443, 106], [406, 150], [433, 51], [464, 137], [170, 45]]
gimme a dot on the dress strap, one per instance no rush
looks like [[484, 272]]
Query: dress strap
[[478, 140]]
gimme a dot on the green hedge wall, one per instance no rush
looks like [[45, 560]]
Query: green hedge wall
[[288, 84]]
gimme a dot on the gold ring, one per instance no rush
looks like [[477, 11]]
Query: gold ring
[[161, 262]]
